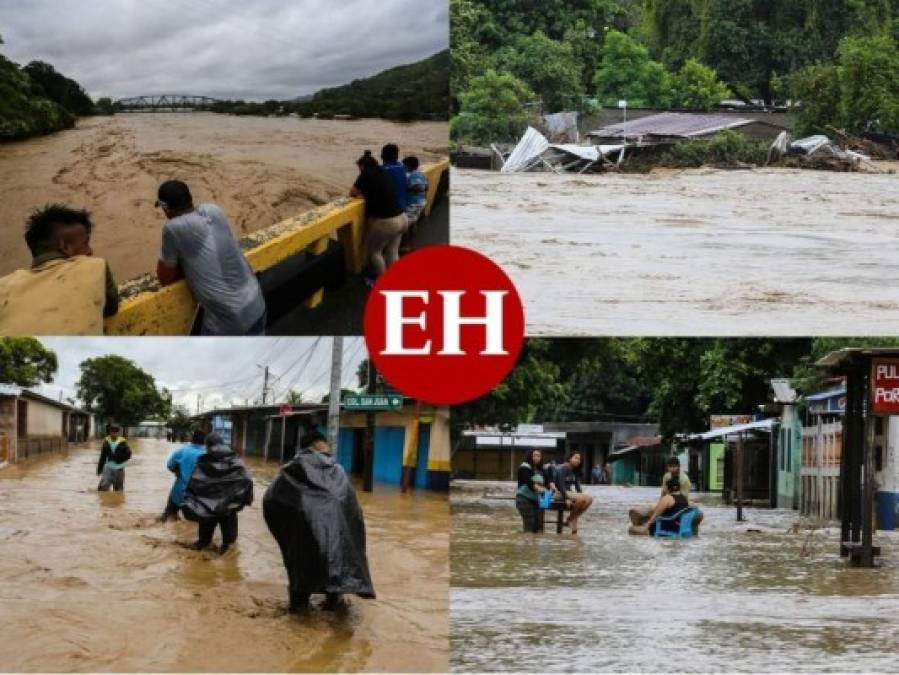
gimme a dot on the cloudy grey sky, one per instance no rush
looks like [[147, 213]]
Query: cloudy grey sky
[[221, 371], [250, 49]]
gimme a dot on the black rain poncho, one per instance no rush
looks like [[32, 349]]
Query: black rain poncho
[[311, 510], [219, 485]]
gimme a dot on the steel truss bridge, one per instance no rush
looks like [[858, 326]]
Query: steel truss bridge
[[165, 103]]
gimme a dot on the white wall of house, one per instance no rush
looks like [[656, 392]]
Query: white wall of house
[[44, 419], [888, 476]]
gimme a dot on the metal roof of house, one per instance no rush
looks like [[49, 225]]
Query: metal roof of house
[[674, 125], [14, 390], [830, 393], [761, 425], [844, 357]]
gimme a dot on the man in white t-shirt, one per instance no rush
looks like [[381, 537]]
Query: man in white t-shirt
[[199, 246]]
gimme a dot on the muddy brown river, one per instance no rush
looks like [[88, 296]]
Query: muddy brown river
[[89, 582], [740, 597], [698, 252], [259, 170]]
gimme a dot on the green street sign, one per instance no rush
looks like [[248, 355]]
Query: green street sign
[[373, 402]]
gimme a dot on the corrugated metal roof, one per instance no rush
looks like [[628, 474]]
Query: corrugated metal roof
[[826, 394], [761, 425], [674, 125], [844, 357]]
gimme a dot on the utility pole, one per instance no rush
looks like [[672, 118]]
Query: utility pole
[[264, 383], [369, 452], [334, 396], [198, 404]]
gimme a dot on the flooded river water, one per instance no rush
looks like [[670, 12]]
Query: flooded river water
[[698, 252], [89, 582], [259, 170], [740, 597]]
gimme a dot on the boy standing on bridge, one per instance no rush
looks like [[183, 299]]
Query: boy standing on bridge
[[113, 455], [199, 246]]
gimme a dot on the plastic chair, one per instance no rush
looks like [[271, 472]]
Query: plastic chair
[[685, 524]]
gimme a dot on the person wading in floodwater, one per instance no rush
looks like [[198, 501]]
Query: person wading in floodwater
[[66, 291], [198, 245], [182, 463], [311, 510], [219, 487], [114, 453]]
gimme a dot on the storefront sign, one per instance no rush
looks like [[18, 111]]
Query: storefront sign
[[885, 386]]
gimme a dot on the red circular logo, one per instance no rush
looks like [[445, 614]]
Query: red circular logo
[[444, 325]]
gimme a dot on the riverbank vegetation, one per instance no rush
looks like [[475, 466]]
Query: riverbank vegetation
[[834, 63], [36, 100]]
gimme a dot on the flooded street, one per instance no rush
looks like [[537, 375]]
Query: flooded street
[[259, 170], [740, 597], [696, 252], [89, 582]]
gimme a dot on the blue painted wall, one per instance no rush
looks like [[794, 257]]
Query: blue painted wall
[[389, 454], [345, 443]]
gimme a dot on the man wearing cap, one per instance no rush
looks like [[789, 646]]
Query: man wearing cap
[[199, 246], [66, 291], [113, 455]]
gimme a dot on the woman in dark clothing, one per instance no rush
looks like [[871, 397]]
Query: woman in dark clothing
[[531, 484], [219, 487], [386, 218], [668, 505]]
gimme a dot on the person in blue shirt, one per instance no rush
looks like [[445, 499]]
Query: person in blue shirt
[[390, 162], [182, 463]]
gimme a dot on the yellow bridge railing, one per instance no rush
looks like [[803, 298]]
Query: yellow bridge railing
[[171, 310]]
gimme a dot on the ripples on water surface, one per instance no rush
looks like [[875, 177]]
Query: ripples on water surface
[[731, 599], [89, 582]]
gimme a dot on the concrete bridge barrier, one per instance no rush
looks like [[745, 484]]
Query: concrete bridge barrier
[[148, 309]]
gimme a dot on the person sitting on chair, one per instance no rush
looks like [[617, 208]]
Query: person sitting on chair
[[669, 504]]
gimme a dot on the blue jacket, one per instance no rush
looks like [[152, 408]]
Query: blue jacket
[[397, 173], [182, 463]]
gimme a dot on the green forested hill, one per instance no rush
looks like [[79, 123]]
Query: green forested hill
[[835, 61], [415, 91]]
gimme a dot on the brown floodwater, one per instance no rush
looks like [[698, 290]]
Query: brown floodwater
[[696, 252], [259, 170], [89, 582], [753, 596]]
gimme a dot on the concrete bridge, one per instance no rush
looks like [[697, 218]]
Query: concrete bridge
[[165, 103]]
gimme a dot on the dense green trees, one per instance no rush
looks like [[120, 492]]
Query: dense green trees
[[837, 58], [116, 389], [26, 362], [678, 382], [492, 109], [59, 89]]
